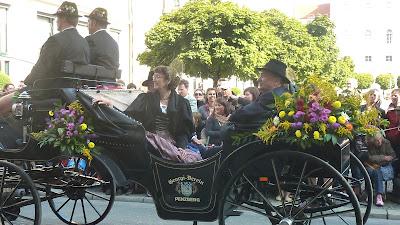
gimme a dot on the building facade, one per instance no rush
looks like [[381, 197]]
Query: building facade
[[26, 24]]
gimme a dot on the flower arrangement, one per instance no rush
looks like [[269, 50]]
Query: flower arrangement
[[316, 114], [67, 130]]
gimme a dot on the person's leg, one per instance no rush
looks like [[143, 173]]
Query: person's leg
[[5, 104], [377, 181]]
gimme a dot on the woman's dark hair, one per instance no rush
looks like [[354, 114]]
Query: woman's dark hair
[[253, 91], [170, 75], [210, 89], [226, 104]]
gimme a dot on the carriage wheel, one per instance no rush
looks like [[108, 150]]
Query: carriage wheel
[[19, 199], [364, 187], [288, 188], [84, 192]]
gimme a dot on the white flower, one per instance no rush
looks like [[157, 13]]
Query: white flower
[[276, 121], [347, 117]]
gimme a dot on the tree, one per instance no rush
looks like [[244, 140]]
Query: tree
[[386, 81], [365, 80], [213, 39], [4, 79]]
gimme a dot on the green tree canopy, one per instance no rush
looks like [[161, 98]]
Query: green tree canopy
[[213, 40], [217, 39], [4, 79], [386, 81], [365, 80]]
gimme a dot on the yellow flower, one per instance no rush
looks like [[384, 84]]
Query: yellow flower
[[291, 113], [316, 135], [285, 125], [342, 120], [83, 126], [86, 153], [322, 128], [298, 133], [287, 103], [332, 119], [307, 127], [91, 145], [51, 113], [282, 114], [336, 104]]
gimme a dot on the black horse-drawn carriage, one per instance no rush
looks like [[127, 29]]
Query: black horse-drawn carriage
[[268, 184]]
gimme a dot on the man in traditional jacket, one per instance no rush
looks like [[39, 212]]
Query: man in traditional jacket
[[104, 49], [68, 44], [272, 82]]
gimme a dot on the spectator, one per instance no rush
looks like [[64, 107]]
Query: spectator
[[380, 153], [251, 93], [199, 96], [131, 86], [206, 110], [218, 118], [183, 90], [121, 84], [373, 101], [8, 88], [393, 115], [21, 84]]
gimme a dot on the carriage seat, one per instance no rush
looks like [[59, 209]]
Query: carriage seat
[[90, 72]]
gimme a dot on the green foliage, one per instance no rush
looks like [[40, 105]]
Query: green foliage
[[216, 39], [4, 79], [365, 80], [236, 91], [398, 81], [386, 81]]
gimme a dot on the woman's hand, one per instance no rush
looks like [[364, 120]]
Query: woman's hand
[[101, 101]]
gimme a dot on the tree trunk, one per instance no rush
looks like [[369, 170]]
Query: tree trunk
[[215, 82]]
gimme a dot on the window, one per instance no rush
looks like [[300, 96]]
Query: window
[[389, 35], [7, 67], [45, 28], [3, 29], [368, 34], [389, 58], [368, 58]]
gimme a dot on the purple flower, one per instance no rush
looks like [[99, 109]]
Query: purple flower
[[336, 125], [70, 126], [313, 119], [80, 120], [75, 132], [50, 126], [324, 118], [315, 106], [298, 114], [326, 111], [69, 134]]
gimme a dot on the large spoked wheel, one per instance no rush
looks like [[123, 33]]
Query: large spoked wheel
[[83, 193], [20, 202], [362, 187], [288, 188]]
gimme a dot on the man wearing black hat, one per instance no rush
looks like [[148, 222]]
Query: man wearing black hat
[[272, 82], [104, 49], [149, 82], [68, 44]]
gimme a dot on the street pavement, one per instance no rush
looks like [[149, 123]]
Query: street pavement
[[136, 213]]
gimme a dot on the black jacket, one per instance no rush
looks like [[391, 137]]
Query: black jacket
[[66, 45], [147, 105], [213, 130], [104, 50], [258, 111]]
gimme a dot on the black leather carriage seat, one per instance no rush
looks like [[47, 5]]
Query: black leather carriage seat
[[78, 75]]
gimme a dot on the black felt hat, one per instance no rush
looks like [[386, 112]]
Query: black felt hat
[[99, 14], [276, 67], [149, 80], [68, 9]]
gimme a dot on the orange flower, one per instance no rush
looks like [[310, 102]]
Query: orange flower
[[349, 126], [273, 129]]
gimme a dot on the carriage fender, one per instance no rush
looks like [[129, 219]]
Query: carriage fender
[[244, 152], [116, 172]]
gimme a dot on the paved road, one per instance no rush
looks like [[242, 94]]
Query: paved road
[[132, 213]]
